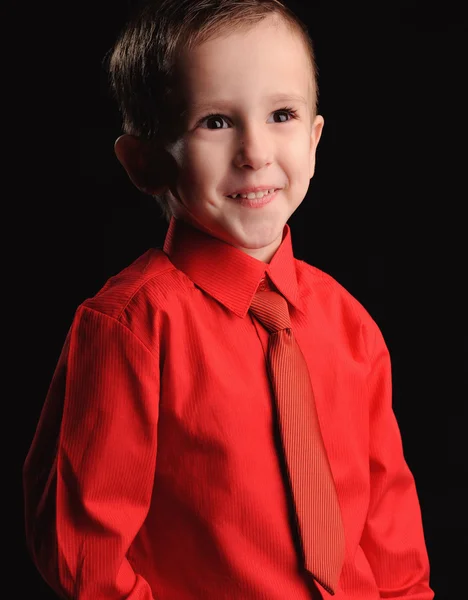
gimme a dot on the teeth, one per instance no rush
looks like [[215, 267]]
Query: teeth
[[253, 195]]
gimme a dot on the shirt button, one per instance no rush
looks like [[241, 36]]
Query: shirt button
[[263, 284]]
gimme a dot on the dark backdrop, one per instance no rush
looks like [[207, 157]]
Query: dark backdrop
[[384, 215]]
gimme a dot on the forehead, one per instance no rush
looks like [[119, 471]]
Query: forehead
[[267, 59]]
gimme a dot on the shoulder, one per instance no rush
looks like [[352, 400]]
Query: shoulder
[[328, 298], [326, 289], [133, 281], [139, 296]]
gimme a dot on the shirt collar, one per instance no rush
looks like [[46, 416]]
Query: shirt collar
[[226, 273]]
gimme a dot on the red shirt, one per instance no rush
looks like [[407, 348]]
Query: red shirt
[[154, 471]]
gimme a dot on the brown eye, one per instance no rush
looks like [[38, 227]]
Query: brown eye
[[213, 119], [218, 120], [284, 114]]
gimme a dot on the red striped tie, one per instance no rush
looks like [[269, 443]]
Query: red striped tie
[[313, 489]]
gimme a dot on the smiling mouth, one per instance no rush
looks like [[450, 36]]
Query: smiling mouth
[[254, 195], [252, 201]]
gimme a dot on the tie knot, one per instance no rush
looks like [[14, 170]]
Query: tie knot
[[271, 309]]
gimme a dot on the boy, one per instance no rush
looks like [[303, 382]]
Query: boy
[[159, 468]]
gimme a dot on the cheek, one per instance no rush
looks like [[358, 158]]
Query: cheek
[[295, 157], [190, 164], [198, 173], [296, 149]]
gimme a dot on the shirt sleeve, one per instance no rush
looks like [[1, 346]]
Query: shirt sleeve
[[89, 473], [393, 538]]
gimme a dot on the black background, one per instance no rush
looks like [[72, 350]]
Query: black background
[[384, 215]]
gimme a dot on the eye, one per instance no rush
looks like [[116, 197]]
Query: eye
[[214, 117]]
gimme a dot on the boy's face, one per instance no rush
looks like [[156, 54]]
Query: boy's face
[[250, 143]]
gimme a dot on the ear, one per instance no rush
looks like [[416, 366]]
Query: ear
[[316, 133], [148, 166]]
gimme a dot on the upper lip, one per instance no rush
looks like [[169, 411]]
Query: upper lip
[[259, 188]]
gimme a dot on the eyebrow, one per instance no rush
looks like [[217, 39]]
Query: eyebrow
[[223, 105]]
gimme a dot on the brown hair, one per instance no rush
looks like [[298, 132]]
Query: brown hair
[[142, 63]]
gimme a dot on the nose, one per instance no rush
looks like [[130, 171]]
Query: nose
[[254, 148]]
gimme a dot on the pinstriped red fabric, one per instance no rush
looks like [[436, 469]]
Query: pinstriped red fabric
[[315, 498]]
